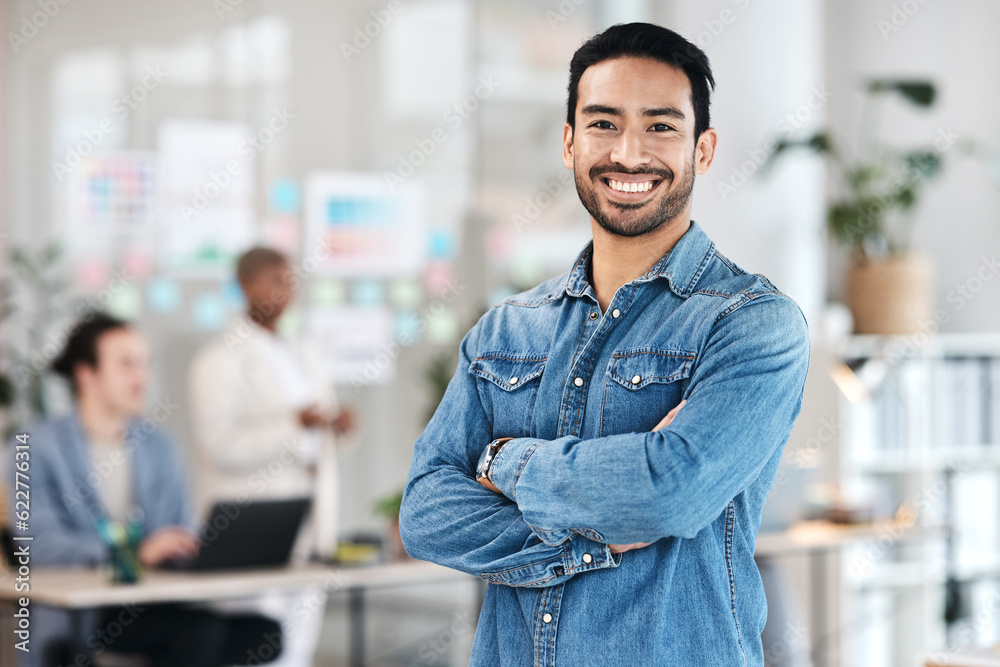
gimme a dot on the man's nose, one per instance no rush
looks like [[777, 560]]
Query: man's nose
[[630, 150]]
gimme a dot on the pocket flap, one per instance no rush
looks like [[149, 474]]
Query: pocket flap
[[634, 369], [508, 371]]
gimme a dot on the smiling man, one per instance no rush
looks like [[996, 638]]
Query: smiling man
[[604, 448]]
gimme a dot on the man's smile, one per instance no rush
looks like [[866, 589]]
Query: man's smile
[[629, 187]]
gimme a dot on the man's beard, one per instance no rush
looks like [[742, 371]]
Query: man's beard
[[625, 224]]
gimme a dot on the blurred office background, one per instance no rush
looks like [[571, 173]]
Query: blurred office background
[[144, 144]]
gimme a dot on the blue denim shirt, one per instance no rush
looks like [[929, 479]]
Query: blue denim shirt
[[580, 391]]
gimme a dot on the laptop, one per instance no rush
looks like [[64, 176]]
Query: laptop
[[259, 534]]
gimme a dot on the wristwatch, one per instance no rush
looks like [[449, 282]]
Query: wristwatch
[[486, 460]]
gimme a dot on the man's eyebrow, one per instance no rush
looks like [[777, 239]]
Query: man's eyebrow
[[597, 109]]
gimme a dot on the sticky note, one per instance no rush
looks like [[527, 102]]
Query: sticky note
[[368, 293], [329, 293], [441, 244], [92, 274], [125, 301], [163, 295], [406, 293], [208, 310], [442, 325]]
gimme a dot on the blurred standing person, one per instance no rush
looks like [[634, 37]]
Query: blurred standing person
[[267, 425]]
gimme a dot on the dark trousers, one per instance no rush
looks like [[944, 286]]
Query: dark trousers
[[173, 635]]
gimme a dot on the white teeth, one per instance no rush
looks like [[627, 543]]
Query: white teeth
[[630, 187]]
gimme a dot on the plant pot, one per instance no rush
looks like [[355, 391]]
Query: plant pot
[[894, 295]]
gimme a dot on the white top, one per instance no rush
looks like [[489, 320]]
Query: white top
[[247, 388], [113, 473]]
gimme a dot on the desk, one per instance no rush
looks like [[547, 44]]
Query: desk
[[817, 539], [78, 589]]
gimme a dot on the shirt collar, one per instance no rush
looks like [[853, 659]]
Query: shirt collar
[[681, 266]]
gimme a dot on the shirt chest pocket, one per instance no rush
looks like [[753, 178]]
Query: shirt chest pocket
[[642, 386], [508, 387]]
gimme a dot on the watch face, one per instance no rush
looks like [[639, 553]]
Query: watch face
[[484, 460]]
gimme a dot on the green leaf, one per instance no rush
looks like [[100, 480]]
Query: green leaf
[[919, 92]]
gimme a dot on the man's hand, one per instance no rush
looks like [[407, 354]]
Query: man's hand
[[622, 548], [166, 543], [343, 422], [312, 417], [665, 422]]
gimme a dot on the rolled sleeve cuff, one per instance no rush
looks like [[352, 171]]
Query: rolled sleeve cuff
[[509, 462], [575, 555]]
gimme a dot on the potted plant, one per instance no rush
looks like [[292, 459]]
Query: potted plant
[[889, 287]]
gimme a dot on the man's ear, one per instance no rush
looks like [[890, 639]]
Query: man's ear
[[568, 145], [704, 150]]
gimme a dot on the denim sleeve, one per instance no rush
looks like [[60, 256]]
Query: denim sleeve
[[448, 518], [56, 541], [175, 506], [744, 395]]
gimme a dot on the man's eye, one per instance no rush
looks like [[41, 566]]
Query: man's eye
[[662, 127], [603, 125]]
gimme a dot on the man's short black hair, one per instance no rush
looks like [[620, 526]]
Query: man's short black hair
[[645, 40], [256, 259], [81, 345]]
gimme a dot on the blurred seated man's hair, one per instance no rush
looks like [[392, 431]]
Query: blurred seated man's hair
[[251, 262], [81, 345]]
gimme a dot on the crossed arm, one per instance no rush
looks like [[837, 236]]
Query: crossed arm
[[626, 489]]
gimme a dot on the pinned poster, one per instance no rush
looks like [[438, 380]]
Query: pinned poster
[[113, 192], [364, 227], [207, 189], [356, 341]]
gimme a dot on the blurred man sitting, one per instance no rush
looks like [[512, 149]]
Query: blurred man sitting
[[103, 462]]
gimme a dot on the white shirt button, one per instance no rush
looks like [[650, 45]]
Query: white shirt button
[[587, 558], [615, 313], [547, 618], [635, 379], [578, 382], [514, 380]]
